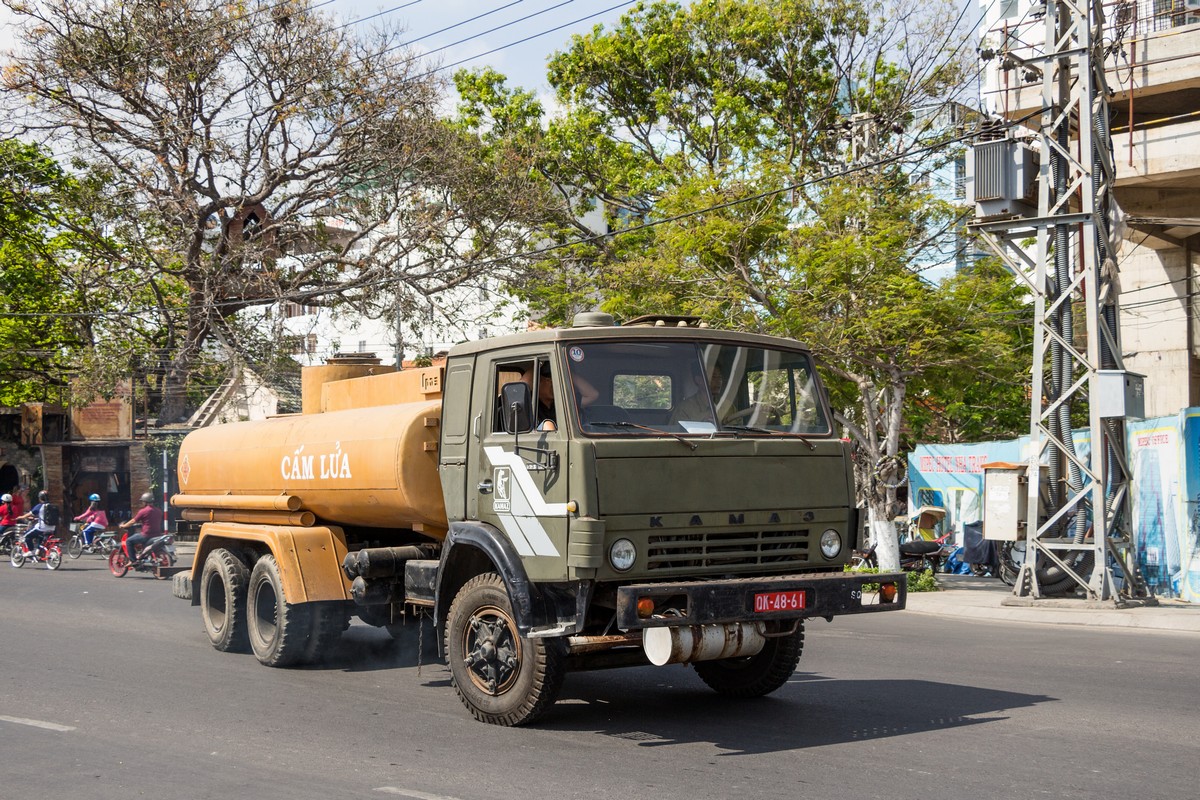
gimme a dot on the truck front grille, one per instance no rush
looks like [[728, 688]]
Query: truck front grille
[[723, 552]]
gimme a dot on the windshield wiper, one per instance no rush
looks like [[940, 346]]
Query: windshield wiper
[[625, 424], [756, 429]]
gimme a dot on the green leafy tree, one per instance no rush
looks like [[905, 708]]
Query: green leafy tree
[[756, 161], [259, 152], [54, 283]]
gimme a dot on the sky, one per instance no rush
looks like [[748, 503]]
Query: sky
[[452, 31]]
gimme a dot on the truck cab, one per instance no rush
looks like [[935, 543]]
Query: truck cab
[[650, 475]]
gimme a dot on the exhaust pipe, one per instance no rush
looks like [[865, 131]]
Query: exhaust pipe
[[687, 643]]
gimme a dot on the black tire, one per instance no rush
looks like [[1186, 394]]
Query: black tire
[[75, 546], [1007, 568], [223, 600], [756, 675], [16, 556], [53, 558], [279, 631], [328, 621], [501, 677]]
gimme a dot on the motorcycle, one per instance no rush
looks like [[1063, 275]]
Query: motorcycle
[[920, 555], [921, 552], [50, 551], [157, 556]]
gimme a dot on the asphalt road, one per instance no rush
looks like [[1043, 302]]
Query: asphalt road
[[109, 689]]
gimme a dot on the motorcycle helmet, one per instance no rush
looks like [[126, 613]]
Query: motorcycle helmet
[[94, 498], [147, 498], [7, 498], [43, 496]]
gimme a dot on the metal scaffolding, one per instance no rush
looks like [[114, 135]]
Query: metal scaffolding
[[1078, 520]]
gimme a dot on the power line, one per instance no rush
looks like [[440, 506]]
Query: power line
[[301, 295]]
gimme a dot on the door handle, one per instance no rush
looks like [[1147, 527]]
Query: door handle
[[485, 486]]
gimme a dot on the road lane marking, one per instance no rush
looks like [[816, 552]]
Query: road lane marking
[[37, 723], [413, 793]]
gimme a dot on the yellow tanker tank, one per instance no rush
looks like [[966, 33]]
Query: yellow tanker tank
[[375, 467]]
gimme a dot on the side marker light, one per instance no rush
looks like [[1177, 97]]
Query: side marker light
[[887, 592]]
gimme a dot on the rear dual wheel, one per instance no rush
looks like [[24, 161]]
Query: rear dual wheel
[[223, 600], [246, 608]]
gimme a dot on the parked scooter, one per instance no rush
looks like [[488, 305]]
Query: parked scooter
[[923, 550], [920, 555], [50, 551], [157, 556]]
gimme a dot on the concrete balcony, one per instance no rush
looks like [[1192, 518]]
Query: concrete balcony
[[1157, 64], [1153, 71]]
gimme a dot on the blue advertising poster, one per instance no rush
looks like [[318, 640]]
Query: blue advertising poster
[[950, 476], [1154, 449], [1189, 584], [1164, 461]]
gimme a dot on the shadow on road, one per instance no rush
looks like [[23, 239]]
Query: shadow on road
[[811, 711], [657, 707]]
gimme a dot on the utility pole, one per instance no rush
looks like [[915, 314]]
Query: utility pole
[[1077, 524]]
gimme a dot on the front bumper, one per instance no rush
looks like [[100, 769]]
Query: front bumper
[[725, 601]]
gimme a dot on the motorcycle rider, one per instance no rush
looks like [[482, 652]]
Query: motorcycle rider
[[151, 519], [95, 518], [46, 515]]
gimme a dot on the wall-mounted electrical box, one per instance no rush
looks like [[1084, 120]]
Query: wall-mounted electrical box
[[1002, 179], [1120, 394]]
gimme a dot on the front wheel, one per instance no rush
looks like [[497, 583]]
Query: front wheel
[[16, 556], [756, 675], [502, 678], [54, 557], [75, 546], [118, 564]]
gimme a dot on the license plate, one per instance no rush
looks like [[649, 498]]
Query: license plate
[[778, 601]]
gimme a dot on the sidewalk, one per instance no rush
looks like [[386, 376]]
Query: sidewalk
[[969, 597]]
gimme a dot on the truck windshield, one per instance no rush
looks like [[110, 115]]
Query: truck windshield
[[673, 388]]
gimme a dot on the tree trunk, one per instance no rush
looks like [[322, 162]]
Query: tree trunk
[[883, 534], [174, 406]]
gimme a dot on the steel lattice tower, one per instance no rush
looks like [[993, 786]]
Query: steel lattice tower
[[1082, 535]]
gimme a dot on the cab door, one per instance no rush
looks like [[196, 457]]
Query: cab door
[[519, 480]]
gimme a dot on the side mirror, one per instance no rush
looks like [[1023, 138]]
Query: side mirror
[[516, 398]]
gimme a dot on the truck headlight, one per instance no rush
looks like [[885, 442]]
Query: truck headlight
[[622, 554], [831, 543]]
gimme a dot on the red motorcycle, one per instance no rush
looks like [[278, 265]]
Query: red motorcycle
[[50, 552], [157, 556]]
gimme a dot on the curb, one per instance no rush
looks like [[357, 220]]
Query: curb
[[982, 601]]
